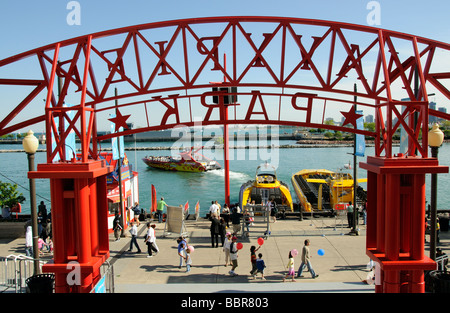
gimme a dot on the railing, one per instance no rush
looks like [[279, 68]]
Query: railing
[[441, 260], [106, 283], [14, 270], [261, 216]]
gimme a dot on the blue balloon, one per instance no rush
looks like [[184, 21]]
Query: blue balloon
[[321, 252]]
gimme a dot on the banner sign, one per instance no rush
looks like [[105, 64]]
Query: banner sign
[[117, 142], [360, 139]]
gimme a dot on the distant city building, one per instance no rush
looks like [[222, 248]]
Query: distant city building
[[369, 118], [432, 119], [443, 110]]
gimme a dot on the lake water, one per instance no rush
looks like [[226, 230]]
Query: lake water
[[179, 187]]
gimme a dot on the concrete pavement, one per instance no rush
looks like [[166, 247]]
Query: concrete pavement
[[341, 268]]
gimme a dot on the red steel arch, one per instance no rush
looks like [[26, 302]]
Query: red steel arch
[[282, 53], [287, 71]]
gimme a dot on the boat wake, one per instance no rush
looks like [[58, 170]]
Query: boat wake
[[233, 175]]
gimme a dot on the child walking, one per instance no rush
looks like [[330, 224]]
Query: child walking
[[253, 250], [188, 260], [290, 267], [260, 266]]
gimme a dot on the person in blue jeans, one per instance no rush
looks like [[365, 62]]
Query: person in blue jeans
[[182, 246], [160, 209], [306, 261]]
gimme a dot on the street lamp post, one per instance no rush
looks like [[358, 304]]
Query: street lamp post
[[435, 139], [30, 144]]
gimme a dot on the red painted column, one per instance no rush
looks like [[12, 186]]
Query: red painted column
[[226, 155], [56, 187], [80, 223], [94, 226], [400, 221], [380, 206], [371, 209], [93, 216], [102, 213], [83, 230], [392, 224], [418, 235], [392, 231], [418, 219]]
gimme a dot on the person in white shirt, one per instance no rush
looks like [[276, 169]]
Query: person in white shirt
[[233, 256], [150, 240], [214, 209], [29, 241], [133, 232], [226, 249]]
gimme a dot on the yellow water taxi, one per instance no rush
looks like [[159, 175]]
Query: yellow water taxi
[[322, 191], [266, 186]]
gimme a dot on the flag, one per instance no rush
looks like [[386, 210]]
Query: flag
[[197, 207], [186, 207], [154, 201], [360, 140]]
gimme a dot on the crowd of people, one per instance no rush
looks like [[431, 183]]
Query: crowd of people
[[226, 223], [224, 236], [45, 243]]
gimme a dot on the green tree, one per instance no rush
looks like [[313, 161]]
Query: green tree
[[9, 196]]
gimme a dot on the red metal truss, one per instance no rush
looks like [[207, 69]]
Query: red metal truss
[[187, 50]]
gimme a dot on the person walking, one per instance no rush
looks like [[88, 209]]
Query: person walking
[[214, 209], [253, 250], [133, 233], [160, 209], [214, 229], [306, 261], [260, 265], [290, 267], [42, 210], [188, 260], [273, 210], [236, 221], [117, 226], [233, 256], [350, 209], [29, 241], [150, 240], [222, 230], [226, 214], [182, 246], [247, 221], [136, 210], [226, 249]]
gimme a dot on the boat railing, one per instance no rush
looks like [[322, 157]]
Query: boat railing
[[260, 215]]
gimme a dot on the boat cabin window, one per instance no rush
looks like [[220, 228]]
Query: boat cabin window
[[265, 178]]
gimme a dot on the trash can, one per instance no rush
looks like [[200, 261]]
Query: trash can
[[41, 283], [443, 222], [440, 281]]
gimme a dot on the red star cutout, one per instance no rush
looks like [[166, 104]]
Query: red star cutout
[[120, 121], [351, 117]]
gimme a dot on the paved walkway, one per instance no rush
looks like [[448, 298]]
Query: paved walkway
[[341, 268]]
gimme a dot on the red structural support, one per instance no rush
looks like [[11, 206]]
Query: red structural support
[[396, 220], [79, 221], [165, 72]]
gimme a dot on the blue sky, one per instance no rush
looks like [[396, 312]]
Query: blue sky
[[25, 25]]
